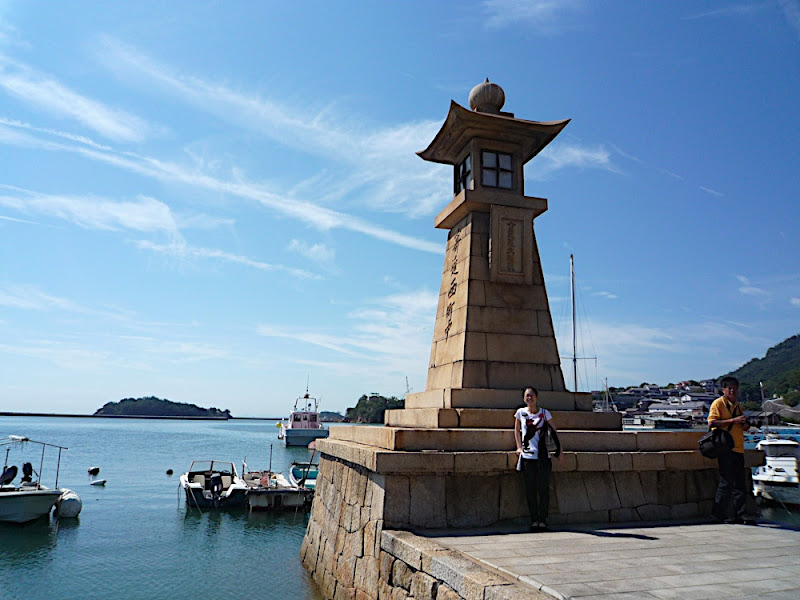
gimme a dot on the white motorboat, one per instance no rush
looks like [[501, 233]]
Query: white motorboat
[[778, 479], [30, 499], [213, 484], [272, 491], [303, 425]]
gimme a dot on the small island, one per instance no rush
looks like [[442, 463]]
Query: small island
[[154, 408]]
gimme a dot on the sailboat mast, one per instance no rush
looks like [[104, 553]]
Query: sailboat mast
[[574, 331]]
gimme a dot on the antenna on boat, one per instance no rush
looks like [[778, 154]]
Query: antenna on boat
[[574, 330], [573, 299], [270, 458]]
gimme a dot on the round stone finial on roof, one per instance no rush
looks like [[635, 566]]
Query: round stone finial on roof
[[487, 97]]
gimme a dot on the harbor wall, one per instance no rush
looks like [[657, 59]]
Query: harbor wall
[[362, 493]]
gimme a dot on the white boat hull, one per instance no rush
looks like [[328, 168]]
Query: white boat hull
[[213, 484], [19, 505], [777, 480], [272, 491], [275, 499], [303, 437], [783, 494], [200, 498]]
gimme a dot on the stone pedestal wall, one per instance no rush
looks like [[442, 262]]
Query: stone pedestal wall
[[354, 503]]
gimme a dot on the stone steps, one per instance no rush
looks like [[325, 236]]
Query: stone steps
[[496, 398], [472, 463], [485, 439], [496, 418]]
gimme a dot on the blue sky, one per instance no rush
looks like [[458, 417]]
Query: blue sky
[[216, 202]]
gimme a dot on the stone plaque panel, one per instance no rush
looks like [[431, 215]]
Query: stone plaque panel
[[511, 245]]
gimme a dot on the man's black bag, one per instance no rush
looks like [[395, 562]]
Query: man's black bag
[[716, 442]]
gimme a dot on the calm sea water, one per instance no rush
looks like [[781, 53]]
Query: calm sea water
[[135, 538]]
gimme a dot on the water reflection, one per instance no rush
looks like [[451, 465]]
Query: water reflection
[[27, 544]]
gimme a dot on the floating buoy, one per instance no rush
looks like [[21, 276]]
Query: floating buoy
[[169, 471], [99, 482], [68, 505], [94, 470]]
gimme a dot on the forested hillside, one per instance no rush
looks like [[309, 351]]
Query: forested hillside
[[370, 409], [779, 371]]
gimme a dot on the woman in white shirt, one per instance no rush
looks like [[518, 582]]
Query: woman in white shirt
[[532, 427]]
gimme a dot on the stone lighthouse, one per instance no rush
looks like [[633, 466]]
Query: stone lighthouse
[[493, 334]]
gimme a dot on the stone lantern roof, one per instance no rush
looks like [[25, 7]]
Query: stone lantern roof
[[487, 121]]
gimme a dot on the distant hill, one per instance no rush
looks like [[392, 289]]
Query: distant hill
[[156, 407], [330, 416], [779, 371]]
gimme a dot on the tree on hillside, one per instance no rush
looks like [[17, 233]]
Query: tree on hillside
[[370, 409]]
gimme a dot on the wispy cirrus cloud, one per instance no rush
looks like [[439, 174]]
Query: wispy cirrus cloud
[[634, 352], [744, 9], [748, 289], [791, 11], [747, 10], [12, 133], [46, 93], [570, 155], [60, 354], [318, 253], [389, 335], [546, 16], [184, 251], [608, 295], [384, 171], [711, 192], [30, 297], [144, 214]]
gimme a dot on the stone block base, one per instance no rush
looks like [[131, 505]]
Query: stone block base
[[363, 490]]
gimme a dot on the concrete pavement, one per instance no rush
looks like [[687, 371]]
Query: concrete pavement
[[647, 562]]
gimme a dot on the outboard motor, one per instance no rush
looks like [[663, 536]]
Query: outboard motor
[[27, 472], [8, 475], [215, 486]]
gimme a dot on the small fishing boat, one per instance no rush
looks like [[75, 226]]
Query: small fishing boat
[[30, 499], [213, 484], [304, 474], [303, 425], [272, 491], [778, 479]]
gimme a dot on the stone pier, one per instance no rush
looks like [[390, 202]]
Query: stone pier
[[365, 489]]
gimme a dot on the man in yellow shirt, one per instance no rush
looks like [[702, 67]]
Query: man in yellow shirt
[[727, 413]]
